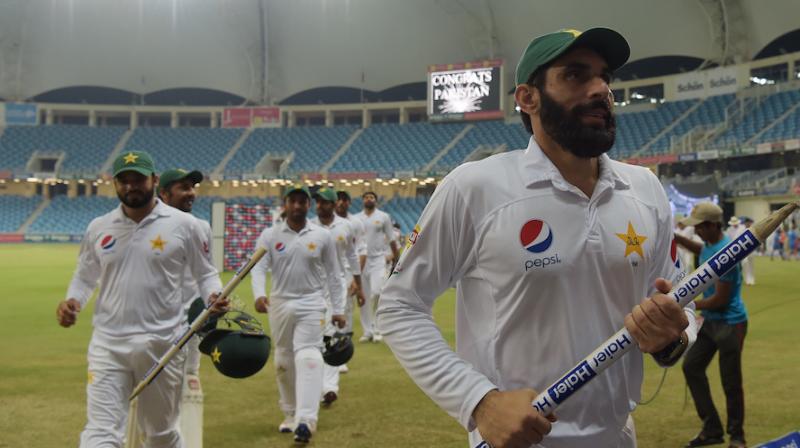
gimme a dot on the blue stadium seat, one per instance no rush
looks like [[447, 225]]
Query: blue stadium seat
[[190, 148], [767, 111], [86, 148], [313, 147], [487, 133], [15, 210], [635, 129], [71, 216]]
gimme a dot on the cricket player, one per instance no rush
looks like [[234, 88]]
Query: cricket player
[[344, 237], [377, 232], [343, 202], [723, 331], [551, 249], [139, 254], [303, 260], [176, 188]]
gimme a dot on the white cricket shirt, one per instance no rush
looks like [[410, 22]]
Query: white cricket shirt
[[345, 240], [191, 290], [141, 270], [301, 262], [543, 276], [377, 232], [359, 231]]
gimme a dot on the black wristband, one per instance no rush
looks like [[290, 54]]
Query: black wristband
[[671, 352]]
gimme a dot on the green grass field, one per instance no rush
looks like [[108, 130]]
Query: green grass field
[[43, 371]]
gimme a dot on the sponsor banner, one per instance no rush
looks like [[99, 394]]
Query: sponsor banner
[[687, 157], [791, 440], [465, 91], [21, 114], [709, 154], [701, 84], [11, 237], [747, 150], [764, 148], [245, 117], [52, 238], [385, 175], [6, 174], [744, 193], [353, 176], [403, 174], [725, 153], [792, 144]]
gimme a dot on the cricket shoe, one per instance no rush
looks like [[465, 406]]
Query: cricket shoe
[[287, 426], [343, 368], [329, 398], [304, 432], [377, 338], [365, 338]]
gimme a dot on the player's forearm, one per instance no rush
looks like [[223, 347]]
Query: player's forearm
[[362, 261], [209, 284], [692, 246], [418, 344], [80, 289]]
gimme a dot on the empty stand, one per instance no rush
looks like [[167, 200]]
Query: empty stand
[[14, 210], [190, 148], [71, 216]]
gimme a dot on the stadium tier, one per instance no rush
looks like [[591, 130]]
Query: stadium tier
[[394, 147], [312, 147], [489, 134], [710, 113], [759, 116], [84, 148], [636, 129], [71, 216], [15, 210], [196, 148]]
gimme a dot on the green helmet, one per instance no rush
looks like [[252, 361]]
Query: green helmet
[[241, 349], [195, 309]]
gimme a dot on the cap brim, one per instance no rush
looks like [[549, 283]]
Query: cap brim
[[609, 43], [689, 221], [343, 193], [142, 171], [295, 190], [194, 176]]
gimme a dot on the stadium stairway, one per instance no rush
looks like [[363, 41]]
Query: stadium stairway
[[448, 147], [776, 123], [33, 216], [340, 152], [123, 140], [646, 148], [232, 152]]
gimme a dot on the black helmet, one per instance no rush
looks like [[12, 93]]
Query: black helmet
[[195, 309], [241, 349], [338, 349]]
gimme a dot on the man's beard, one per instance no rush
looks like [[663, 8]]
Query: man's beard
[[369, 206], [139, 202], [566, 129]]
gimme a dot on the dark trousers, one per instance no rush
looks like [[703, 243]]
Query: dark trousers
[[728, 340]]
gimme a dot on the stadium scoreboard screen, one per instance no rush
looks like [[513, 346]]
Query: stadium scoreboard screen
[[466, 91]]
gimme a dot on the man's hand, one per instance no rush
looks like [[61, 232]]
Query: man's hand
[[218, 306], [262, 304], [67, 312], [360, 297], [338, 320], [657, 321], [352, 289], [508, 419]]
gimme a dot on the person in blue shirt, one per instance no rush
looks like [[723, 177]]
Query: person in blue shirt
[[723, 331]]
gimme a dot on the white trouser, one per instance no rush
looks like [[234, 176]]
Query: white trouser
[[372, 281], [747, 271], [296, 327], [115, 366], [193, 356], [330, 381]]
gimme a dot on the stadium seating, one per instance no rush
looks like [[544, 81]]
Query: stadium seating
[[14, 210], [488, 134], [406, 211], [394, 147], [710, 113], [71, 216], [635, 129], [86, 148], [312, 146], [766, 111], [190, 148]]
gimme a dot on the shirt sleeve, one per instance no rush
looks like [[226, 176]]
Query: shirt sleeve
[[258, 275], [353, 267], [87, 273], [200, 263], [330, 260], [361, 240], [388, 230], [667, 263], [437, 257]]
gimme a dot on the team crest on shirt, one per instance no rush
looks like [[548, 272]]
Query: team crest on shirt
[[108, 242], [280, 247], [633, 243], [673, 253], [412, 239], [536, 237]]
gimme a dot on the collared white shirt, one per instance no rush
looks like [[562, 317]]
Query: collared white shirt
[[377, 232], [301, 263], [141, 269], [543, 276], [345, 240], [191, 290], [360, 231]]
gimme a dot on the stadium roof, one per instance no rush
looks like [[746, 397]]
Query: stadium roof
[[147, 46]]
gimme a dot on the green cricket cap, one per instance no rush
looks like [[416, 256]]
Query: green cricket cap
[[138, 161], [343, 193], [297, 187], [168, 177], [543, 49], [326, 194]]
